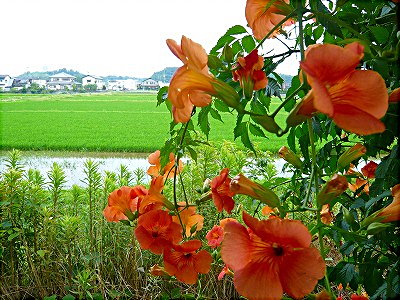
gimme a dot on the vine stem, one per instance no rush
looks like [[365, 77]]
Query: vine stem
[[313, 153]]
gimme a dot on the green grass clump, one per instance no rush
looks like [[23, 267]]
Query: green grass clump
[[99, 122]]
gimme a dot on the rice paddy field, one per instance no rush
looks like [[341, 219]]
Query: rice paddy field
[[98, 122]]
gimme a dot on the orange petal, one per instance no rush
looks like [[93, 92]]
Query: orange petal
[[176, 50], [199, 98], [203, 261], [395, 95], [258, 281], [284, 232], [236, 246], [330, 63], [197, 56], [365, 90], [321, 99], [182, 115], [357, 121], [300, 270]]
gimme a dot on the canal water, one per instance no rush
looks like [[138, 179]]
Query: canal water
[[73, 163]]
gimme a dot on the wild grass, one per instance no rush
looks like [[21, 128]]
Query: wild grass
[[99, 122]]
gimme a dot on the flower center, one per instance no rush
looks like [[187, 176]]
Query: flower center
[[278, 250]]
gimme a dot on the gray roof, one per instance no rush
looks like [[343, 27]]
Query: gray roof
[[63, 75], [4, 76], [95, 77], [62, 83]]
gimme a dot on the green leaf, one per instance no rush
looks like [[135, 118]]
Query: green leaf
[[221, 106], [264, 99], [193, 153], [325, 18], [68, 297], [257, 131], [162, 95], [318, 32], [214, 62], [237, 29], [53, 297], [291, 139], [380, 33], [215, 114], [248, 43], [203, 120], [347, 273], [226, 39], [246, 139], [239, 129]]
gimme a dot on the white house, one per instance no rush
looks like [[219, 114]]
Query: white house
[[61, 81], [19, 84], [89, 79], [6, 82], [40, 82], [149, 84]]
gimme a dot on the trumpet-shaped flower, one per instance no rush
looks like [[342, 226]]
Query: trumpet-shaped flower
[[221, 193], [191, 84], [274, 257], [395, 95], [156, 231], [183, 262], [215, 236], [122, 202], [168, 170], [354, 99], [326, 215], [189, 219], [391, 213], [249, 73], [263, 15], [154, 199]]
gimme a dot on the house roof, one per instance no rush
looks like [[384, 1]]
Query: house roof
[[3, 76], [62, 83], [63, 75], [95, 77]]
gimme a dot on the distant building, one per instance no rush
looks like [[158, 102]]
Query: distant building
[[6, 82], [19, 84], [89, 79], [40, 82], [148, 84], [122, 85], [61, 81]]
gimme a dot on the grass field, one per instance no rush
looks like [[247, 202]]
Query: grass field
[[98, 122]]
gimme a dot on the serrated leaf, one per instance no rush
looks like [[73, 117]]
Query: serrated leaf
[[248, 43], [317, 33], [215, 114], [239, 129], [236, 48], [324, 17], [193, 153], [162, 95], [246, 139], [226, 39], [203, 120], [264, 99], [347, 273], [291, 139], [237, 29], [257, 131], [221, 106], [273, 88]]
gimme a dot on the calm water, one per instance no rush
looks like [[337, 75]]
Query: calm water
[[73, 163]]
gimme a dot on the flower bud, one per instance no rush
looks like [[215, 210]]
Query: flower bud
[[227, 94], [267, 123], [242, 185], [348, 216], [290, 157], [227, 53], [351, 154], [332, 189]]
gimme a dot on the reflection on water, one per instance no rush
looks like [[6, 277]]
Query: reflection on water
[[73, 163]]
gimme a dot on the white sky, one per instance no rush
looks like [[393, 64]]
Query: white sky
[[112, 37]]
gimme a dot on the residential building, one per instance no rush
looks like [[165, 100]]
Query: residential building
[[40, 82], [149, 84], [90, 79], [6, 82], [61, 81], [19, 84]]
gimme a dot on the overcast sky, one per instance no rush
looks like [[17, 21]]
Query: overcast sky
[[112, 37]]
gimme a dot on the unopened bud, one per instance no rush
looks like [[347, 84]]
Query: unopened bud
[[227, 94], [242, 185], [290, 157], [267, 123], [348, 216], [351, 154], [332, 189], [227, 53]]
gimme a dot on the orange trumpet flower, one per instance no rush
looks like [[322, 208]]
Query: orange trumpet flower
[[263, 15], [183, 262], [168, 170], [189, 219], [354, 99], [391, 213], [221, 193], [274, 258], [395, 95], [215, 236], [156, 231], [123, 202], [154, 199], [369, 169]]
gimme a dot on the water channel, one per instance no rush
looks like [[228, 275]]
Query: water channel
[[73, 163]]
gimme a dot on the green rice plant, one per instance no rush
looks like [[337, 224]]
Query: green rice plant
[[124, 176], [139, 175]]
